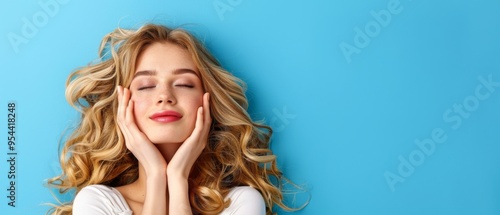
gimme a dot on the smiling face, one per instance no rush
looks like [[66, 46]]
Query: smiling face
[[166, 91]]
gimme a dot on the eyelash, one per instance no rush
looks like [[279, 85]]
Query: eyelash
[[177, 85], [184, 85], [144, 88]]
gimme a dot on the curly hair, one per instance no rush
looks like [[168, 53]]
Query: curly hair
[[237, 152]]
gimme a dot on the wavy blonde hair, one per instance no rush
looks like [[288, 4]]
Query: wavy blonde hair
[[238, 150]]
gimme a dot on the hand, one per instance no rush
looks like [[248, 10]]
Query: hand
[[136, 141], [190, 150]]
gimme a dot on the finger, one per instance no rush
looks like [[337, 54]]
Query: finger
[[122, 107], [199, 122], [121, 115], [120, 110], [125, 122], [129, 113], [129, 119], [206, 107], [123, 104]]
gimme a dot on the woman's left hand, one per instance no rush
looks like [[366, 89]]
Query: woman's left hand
[[180, 165]]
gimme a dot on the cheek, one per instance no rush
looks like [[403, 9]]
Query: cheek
[[196, 102], [140, 106], [192, 104]]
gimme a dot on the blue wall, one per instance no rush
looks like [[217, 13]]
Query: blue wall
[[379, 107]]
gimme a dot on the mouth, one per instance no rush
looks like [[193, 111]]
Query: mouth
[[166, 116]]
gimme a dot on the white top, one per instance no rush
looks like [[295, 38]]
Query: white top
[[104, 200]]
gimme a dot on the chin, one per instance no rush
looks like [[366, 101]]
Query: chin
[[166, 139], [165, 135]]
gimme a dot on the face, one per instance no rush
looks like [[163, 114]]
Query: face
[[166, 91]]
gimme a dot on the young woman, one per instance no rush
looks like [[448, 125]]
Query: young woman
[[164, 130]]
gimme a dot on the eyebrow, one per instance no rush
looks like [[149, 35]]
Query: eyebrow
[[175, 72], [184, 71], [145, 73]]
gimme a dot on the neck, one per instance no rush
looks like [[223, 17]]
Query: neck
[[168, 151]]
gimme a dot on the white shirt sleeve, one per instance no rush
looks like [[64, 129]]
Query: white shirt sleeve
[[245, 200], [100, 200]]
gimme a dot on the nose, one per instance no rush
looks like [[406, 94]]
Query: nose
[[166, 96]]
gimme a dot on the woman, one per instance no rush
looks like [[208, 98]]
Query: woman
[[164, 130]]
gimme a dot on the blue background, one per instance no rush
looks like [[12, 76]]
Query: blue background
[[344, 118]]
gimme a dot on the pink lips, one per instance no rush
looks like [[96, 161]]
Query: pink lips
[[166, 116]]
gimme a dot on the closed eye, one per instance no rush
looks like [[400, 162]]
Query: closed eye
[[145, 87], [184, 85]]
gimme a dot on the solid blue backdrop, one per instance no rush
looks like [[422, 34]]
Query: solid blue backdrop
[[379, 107]]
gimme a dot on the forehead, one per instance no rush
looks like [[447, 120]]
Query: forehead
[[165, 57]]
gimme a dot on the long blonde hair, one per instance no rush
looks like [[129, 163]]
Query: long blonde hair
[[238, 150]]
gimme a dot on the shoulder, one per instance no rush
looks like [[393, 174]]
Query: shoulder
[[245, 200], [100, 199]]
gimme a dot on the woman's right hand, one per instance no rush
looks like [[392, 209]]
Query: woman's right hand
[[136, 141]]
